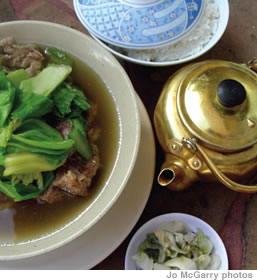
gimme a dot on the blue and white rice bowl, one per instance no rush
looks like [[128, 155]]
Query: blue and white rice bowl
[[202, 38]]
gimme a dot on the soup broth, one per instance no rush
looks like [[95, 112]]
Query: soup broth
[[31, 220]]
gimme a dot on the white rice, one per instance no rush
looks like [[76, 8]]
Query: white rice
[[189, 45]]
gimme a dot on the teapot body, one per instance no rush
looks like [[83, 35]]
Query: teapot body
[[182, 167]]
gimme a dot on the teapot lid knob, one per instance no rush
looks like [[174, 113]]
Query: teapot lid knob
[[216, 102], [231, 93]]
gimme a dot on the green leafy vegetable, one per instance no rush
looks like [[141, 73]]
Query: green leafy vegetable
[[69, 102], [47, 80], [27, 179], [31, 105], [175, 246], [182, 263], [151, 246], [78, 134], [19, 192], [143, 261], [203, 242], [28, 105], [15, 106], [39, 146], [31, 149], [7, 95], [6, 133], [27, 163], [16, 77]]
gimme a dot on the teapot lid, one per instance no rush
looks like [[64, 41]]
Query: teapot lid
[[217, 103]]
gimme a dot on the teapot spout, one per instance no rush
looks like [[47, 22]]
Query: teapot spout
[[167, 175], [176, 175]]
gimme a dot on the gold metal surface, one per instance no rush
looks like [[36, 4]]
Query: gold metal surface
[[227, 137], [217, 172], [176, 174], [252, 64], [217, 126]]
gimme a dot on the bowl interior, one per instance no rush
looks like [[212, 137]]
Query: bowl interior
[[122, 94], [191, 221]]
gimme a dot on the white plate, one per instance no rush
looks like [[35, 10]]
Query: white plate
[[189, 220], [104, 237], [139, 24]]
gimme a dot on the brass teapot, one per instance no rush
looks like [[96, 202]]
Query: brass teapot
[[206, 123]]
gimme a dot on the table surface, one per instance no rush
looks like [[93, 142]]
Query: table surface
[[231, 214]]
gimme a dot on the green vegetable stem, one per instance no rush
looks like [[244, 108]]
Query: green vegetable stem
[[79, 136], [58, 57], [47, 80]]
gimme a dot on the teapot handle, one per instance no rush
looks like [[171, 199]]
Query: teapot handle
[[190, 144], [252, 64]]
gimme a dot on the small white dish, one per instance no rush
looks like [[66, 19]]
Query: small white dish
[[139, 24], [191, 221], [181, 57]]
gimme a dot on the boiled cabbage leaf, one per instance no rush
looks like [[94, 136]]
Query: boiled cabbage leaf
[[175, 246]]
